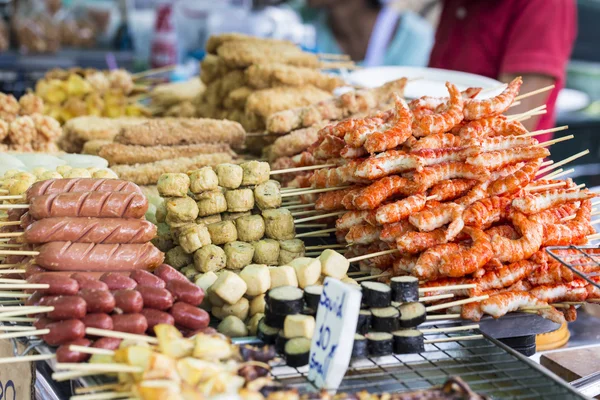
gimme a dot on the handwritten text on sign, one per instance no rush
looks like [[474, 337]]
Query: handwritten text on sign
[[332, 342]]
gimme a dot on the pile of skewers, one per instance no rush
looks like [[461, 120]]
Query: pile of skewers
[[449, 190], [248, 79]]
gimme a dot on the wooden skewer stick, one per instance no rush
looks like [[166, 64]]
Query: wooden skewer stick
[[542, 131], [31, 358], [315, 233], [310, 191], [544, 187], [437, 297], [297, 169], [456, 303], [16, 328], [526, 117], [554, 141], [12, 271], [26, 311], [16, 295], [19, 253], [11, 206], [10, 286], [91, 350], [527, 113], [367, 278], [562, 173], [104, 396], [306, 226], [37, 332], [11, 234], [13, 197], [11, 245], [301, 213], [563, 162], [594, 222], [101, 367], [449, 287], [314, 217], [442, 316], [7, 266], [120, 335], [10, 223], [546, 163], [450, 329], [98, 388], [18, 319], [534, 92], [9, 280], [297, 206], [326, 246], [153, 71], [69, 375], [453, 339], [366, 256]]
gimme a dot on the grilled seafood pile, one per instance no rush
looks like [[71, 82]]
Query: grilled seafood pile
[[454, 186]]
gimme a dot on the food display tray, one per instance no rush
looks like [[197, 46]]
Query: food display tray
[[577, 257]]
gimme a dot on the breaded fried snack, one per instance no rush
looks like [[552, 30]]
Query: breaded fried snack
[[78, 131], [242, 54], [117, 153], [269, 101], [263, 76]]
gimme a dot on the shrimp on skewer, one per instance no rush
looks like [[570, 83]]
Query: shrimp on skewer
[[535, 203], [501, 158], [436, 217], [416, 242], [353, 152], [506, 171], [375, 194], [506, 231], [427, 266], [502, 143], [478, 109], [532, 235], [329, 147], [503, 303], [391, 232], [447, 282], [572, 232], [363, 234], [515, 181], [478, 192], [437, 141], [396, 134], [487, 211], [504, 276], [400, 209], [469, 260], [350, 219], [403, 265], [442, 122], [572, 291], [451, 189], [429, 176], [379, 123], [387, 163], [490, 127], [448, 154], [337, 176], [332, 201], [351, 124]]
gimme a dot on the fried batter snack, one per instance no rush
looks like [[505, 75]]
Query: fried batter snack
[[335, 108], [173, 132], [116, 153], [212, 68], [269, 101], [236, 99], [148, 173], [93, 146], [77, 131], [243, 53], [296, 142], [214, 42], [168, 94], [262, 76]]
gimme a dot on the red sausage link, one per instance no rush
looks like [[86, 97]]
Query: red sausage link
[[98, 301], [155, 317], [65, 355], [90, 230], [26, 220], [34, 299], [65, 307], [89, 204], [186, 292], [33, 269], [59, 285], [67, 256], [131, 323], [118, 281], [156, 298], [168, 273], [145, 278], [64, 331], [42, 322], [107, 343], [52, 186], [98, 320], [86, 282], [128, 301], [189, 317]]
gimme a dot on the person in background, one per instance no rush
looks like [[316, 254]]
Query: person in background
[[503, 39], [372, 32]]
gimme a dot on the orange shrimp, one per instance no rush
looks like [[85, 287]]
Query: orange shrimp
[[397, 134], [555, 214], [400, 209], [502, 143], [391, 232], [504, 276], [490, 127], [572, 291], [363, 234], [501, 158], [485, 212], [450, 189], [427, 105], [370, 125], [348, 199], [332, 201], [341, 128], [532, 235], [403, 265], [478, 109], [375, 194], [387, 163], [506, 171], [503, 303], [437, 141], [471, 259], [447, 154], [572, 232], [427, 266], [478, 192], [515, 181], [350, 219], [329, 147], [352, 152], [429, 176], [337, 176], [506, 231], [442, 122], [471, 311], [436, 217], [535, 203], [416, 242], [551, 274]]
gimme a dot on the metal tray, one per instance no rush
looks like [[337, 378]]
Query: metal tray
[[576, 257]]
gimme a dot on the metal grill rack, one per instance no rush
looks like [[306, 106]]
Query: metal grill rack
[[486, 365], [582, 260]]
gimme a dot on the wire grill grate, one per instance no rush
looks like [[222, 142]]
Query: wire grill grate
[[582, 260], [486, 365]]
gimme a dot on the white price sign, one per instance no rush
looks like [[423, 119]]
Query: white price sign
[[332, 342]]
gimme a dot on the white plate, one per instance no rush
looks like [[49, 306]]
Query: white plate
[[431, 83], [571, 100]]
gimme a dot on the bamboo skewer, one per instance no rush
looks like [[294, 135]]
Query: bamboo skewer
[[299, 206], [449, 287], [526, 114], [153, 71], [310, 191], [10, 206], [120, 335], [436, 297], [450, 329], [554, 141], [306, 226], [453, 339], [26, 311], [16, 328], [563, 162], [366, 256], [91, 350], [314, 217], [37, 332], [534, 92], [561, 173], [98, 388], [31, 358], [103, 396], [543, 131], [456, 303], [544, 187], [297, 169], [326, 246], [301, 213], [10, 223], [12, 271], [69, 375], [442, 317], [101, 368], [11, 234]]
